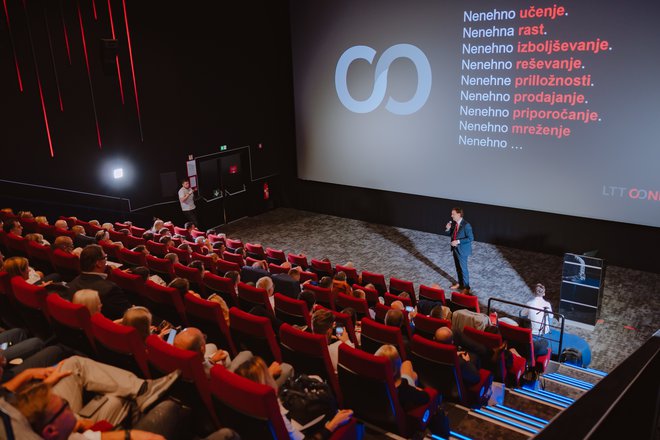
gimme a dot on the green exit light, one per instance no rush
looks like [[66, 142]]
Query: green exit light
[[223, 147]]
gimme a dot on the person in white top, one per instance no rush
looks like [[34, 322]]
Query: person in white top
[[323, 322], [540, 320], [187, 201]]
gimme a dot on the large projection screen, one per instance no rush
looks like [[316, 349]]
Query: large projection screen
[[549, 106]]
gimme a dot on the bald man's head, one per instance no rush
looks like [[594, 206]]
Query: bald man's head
[[397, 305], [443, 335], [191, 339]]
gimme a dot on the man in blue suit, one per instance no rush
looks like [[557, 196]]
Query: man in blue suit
[[461, 235]]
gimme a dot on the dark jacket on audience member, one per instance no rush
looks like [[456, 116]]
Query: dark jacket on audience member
[[286, 285], [252, 274], [114, 299]]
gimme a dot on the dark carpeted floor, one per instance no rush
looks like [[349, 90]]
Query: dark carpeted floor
[[630, 303]]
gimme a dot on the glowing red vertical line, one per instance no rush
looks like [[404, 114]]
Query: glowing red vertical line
[[89, 75], [36, 71], [112, 28], [94, 9], [66, 34], [13, 48], [130, 56]]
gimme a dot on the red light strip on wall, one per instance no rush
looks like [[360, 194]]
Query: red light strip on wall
[[112, 28], [130, 55], [13, 48], [36, 71], [89, 75], [52, 59], [66, 33], [94, 9]]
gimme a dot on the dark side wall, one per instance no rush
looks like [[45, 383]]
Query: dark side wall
[[207, 74]]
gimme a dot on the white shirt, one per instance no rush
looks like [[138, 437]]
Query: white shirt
[[333, 350], [189, 203], [537, 317]]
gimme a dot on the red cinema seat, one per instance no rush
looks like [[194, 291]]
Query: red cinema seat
[[255, 251], [31, 305], [130, 258], [233, 258], [367, 386], [375, 334], [322, 268], [292, 311], [431, 294], [490, 341], [377, 279], [164, 302], [425, 326], [161, 267], [222, 286], [207, 316], [254, 333], [184, 255], [194, 276], [67, 265], [397, 286], [352, 276], [463, 301], [275, 256], [438, 367], [323, 296], [120, 345], [224, 266], [358, 304], [249, 297], [389, 299], [521, 339], [298, 260], [233, 244], [39, 256], [156, 249], [71, 323]]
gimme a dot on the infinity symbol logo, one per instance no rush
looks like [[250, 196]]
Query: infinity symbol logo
[[380, 79]]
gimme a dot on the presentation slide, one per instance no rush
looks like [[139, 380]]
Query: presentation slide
[[548, 106]]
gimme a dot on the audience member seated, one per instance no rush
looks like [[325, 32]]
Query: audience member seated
[[20, 266], [81, 240], [65, 244], [88, 298], [256, 370], [37, 238], [323, 323], [267, 283], [193, 339], [409, 394], [49, 406], [94, 276], [339, 285], [254, 272], [288, 283], [223, 306]]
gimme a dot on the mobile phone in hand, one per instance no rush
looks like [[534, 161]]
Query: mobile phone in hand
[[409, 309], [339, 331]]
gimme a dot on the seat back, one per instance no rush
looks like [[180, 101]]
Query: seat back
[[130, 241], [90, 229], [425, 326], [31, 304], [437, 367], [161, 267], [367, 386], [255, 251], [323, 296], [397, 286], [371, 295], [184, 255], [352, 276], [305, 276], [48, 231], [224, 266], [390, 298], [194, 276], [322, 268], [233, 258], [274, 269], [254, 333], [67, 265], [16, 245], [298, 260], [520, 339], [130, 283], [111, 250], [29, 225], [491, 341], [8, 309], [119, 345], [209, 264], [39, 256], [222, 286], [137, 232], [193, 386], [196, 247], [132, 259], [165, 302], [463, 301], [233, 243], [380, 313], [375, 334], [245, 406], [432, 294], [275, 256], [249, 297], [156, 249], [71, 323], [308, 353], [360, 305], [207, 316], [292, 311], [180, 231], [377, 279]]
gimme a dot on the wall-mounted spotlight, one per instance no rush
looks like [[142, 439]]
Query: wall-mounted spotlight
[[118, 173]]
